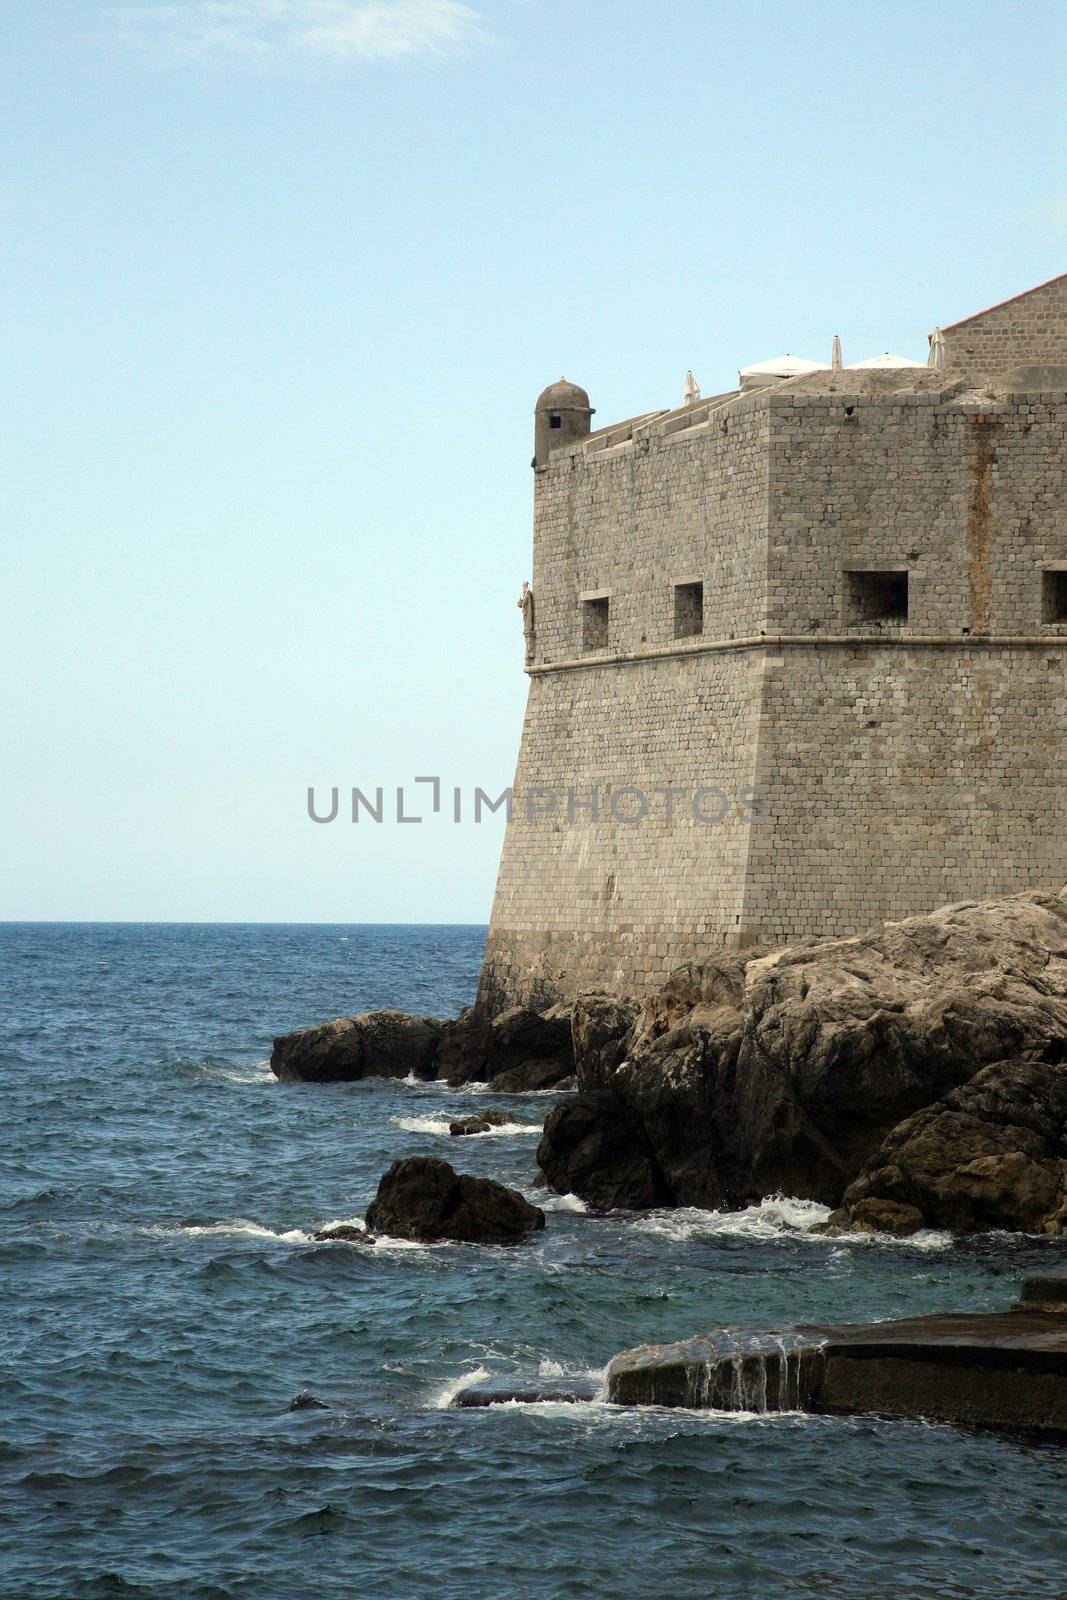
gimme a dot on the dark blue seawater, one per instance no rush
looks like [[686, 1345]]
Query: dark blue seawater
[[162, 1301]]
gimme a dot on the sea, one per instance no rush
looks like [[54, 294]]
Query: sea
[[164, 1302]]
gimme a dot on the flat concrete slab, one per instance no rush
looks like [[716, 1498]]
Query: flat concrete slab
[[1002, 1369]]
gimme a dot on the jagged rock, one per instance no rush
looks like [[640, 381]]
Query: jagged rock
[[343, 1233], [588, 1148], [529, 1050], [882, 1216], [515, 1052], [481, 1123], [464, 1048], [785, 1073], [380, 1044], [600, 1026], [424, 1198], [991, 1154], [530, 1077]]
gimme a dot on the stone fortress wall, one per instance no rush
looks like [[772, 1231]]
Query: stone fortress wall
[[1029, 330], [883, 561]]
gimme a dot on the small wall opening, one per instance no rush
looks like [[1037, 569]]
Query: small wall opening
[[688, 610], [1054, 597], [595, 615], [555, 420], [877, 596]]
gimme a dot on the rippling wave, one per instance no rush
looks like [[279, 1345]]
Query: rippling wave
[[205, 1403]]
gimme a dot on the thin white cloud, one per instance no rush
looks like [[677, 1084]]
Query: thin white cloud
[[327, 30]]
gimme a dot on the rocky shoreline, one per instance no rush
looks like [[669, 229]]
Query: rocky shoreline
[[517, 1052], [912, 1077]]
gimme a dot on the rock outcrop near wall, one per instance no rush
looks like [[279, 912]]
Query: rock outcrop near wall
[[917, 1073], [518, 1050]]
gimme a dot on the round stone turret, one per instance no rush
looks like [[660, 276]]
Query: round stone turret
[[561, 415]]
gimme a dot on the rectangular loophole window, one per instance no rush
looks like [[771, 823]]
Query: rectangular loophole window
[[877, 596], [1054, 597], [555, 421], [688, 610], [595, 623]]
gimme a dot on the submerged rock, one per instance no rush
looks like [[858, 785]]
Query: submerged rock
[[788, 1073], [424, 1198], [304, 1401], [344, 1233], [527, 1392], [380, 1044], [483, 1122]]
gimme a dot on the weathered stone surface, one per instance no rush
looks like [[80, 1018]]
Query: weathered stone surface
[[1046, 1292], [518, 1051], [787, 1073], [590, 1148], [343, 1233], [600, 1024], [719, 1372], [991, 1154], [482, 1122], [379, 1044], [906, 757], [999, 1370], [882, 1216], [424, 1198]]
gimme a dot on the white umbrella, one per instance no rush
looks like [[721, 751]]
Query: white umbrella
[[885, 361], [691, 391], [835, 355], [936, 358]]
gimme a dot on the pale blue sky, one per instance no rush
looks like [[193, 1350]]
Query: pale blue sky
[[281, 280]]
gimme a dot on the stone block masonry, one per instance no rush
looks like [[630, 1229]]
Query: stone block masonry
[[878, 652]]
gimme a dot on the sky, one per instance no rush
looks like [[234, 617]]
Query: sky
[[279, 284]]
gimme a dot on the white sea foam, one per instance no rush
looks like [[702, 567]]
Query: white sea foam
[[233, 1227], [550, 1368], [385, 1241], [345, 1222], [233, 1072], [777, 1217], [773, 1218], [487, 1088], [254, 1072], [925, 1239], [645, 1420], [562, 1202], [443, 1397], [437, 1125]]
